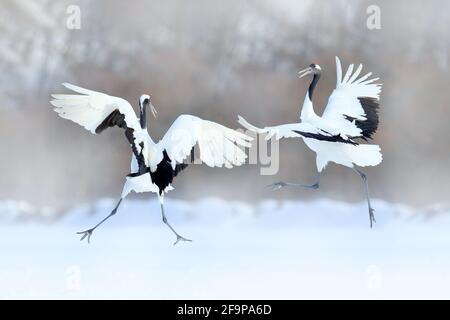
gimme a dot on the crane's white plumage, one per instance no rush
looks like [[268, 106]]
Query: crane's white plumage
[[217, 144], [153, 165], [89, 108], [281, 131], [351, 114], [344, 99]]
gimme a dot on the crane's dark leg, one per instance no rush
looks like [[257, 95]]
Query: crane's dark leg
[[164, 219], [366, 186], [281, 184], [88, 233]]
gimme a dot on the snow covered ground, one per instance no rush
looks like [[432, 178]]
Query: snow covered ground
[[273, 250]]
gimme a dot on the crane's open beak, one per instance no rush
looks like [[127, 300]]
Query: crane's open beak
[[153, 109], [305, 72]]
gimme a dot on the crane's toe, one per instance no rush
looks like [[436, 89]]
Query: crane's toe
[[372, 216], [277, 186], [87, 233], [180, 238]]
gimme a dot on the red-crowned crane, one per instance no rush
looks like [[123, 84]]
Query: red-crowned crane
[[351, 114], [153, 165]]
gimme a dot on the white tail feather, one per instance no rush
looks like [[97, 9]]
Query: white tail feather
[[365, 155]]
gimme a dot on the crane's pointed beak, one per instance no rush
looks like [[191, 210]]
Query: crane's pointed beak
[[304, 72], [153, 109]]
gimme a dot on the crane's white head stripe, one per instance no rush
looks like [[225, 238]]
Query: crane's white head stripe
[[144, 98]]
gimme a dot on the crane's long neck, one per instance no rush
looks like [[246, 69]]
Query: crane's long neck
[[308, 110], [312, 86], [143, 122], [143, 117]]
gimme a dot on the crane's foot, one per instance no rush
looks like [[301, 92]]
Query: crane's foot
[[314, 186], [180, 238], [277, 185], [372, 216], [280, 185], [164, 219], [87, 233]]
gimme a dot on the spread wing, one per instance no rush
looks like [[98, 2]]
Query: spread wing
[[218, 145], [295, 130], [355, 100], [281, 131], [95, 111]]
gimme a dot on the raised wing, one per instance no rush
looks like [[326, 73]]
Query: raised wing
[[354, 100], [218, 145], [95, 111]]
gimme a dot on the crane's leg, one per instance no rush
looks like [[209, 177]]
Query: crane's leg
[[366, 186], [281, 184], [164, 219], [88, 233]]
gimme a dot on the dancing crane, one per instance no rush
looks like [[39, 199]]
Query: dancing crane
[[351, 115], [153, 165]]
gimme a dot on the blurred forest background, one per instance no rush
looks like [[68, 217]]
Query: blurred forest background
[[218, 59]]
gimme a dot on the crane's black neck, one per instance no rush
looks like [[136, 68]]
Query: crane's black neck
[[143, 116], [313, 84]]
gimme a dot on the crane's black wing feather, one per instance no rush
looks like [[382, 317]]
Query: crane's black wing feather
[[116, 118], [164, 173], [323, 137], [370, 125]]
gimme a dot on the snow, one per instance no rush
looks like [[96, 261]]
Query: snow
[[270, 250]]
